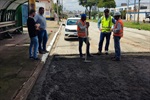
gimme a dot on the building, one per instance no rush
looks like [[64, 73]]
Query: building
[[132, 11], [47, 4]]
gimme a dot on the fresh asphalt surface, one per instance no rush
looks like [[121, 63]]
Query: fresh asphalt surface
[[67, 77]]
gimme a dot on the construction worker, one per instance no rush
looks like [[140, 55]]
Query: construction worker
[[82, 28], [105, 24], [118, 33]]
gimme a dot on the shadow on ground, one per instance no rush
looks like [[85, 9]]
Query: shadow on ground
[[69, 78]]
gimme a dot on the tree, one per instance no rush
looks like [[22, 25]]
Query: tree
[[107, 3], [59, 8], [88, 4]]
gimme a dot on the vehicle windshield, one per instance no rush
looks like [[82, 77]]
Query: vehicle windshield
[[72, 21]]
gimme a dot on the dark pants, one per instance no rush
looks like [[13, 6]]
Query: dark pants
[[117, 47], [43, 37], [81, 40], [102, 36]]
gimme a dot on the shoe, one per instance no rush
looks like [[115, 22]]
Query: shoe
[[31, 57], [115, 59], [41, 52], [99, 53], [106, 52], [89, 55], [45, 51], [37, 59]]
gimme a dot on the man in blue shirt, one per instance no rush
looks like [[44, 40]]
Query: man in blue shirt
[[42, 35], [105, 24]]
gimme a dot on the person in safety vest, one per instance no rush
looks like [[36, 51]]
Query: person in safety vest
[[105, 24], [118, 33], [82, 29]]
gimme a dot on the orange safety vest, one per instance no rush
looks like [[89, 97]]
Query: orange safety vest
[[120, 33], [81, 33]]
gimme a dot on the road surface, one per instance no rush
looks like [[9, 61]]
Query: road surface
[[67, 77]]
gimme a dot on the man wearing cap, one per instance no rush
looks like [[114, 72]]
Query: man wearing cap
[[118, 33], [105, 24], [82, 29]]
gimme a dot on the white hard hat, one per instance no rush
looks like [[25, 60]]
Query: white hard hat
[[117, 14]]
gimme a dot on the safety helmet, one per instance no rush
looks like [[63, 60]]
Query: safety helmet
[[117, 13]]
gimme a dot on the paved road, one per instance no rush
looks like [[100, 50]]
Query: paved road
[[133, 41], [67, 77]]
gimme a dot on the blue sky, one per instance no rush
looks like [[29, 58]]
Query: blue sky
[[74, 5]]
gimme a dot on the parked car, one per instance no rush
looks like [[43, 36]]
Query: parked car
[[71, 28]]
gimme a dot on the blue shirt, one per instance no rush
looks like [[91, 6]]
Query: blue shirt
[[99, 21], [40, 19]]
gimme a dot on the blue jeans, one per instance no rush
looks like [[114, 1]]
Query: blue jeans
[[81, 40], [102, 36], [117, 47], [43, 37], [33, 46]]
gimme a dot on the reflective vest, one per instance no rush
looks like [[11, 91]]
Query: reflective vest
[[81, 32], [106, 23], [120, 33]]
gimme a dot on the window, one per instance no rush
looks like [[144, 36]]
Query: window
[[72, 21], [143, 7]]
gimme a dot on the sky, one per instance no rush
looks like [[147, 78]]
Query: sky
[[74, 4]]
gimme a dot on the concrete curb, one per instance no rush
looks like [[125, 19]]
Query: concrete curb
[[23, 93]]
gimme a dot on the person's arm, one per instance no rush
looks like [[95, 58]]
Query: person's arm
[[118, 28], [114, 21], [81, 26], [99, 22], [36, 18]]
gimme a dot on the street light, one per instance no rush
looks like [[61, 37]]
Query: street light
[[138, 11], [134, 9], [57, 13]]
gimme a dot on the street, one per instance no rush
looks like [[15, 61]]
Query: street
[[67, 77]]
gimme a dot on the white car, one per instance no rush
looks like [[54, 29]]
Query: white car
[[71, 28]]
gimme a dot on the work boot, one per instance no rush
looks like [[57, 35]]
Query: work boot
[[106, 52], [45, 51], [41, 52], [89, 55], [115, 59], [99, 53]]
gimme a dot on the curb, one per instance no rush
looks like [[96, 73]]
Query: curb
[[23, 93]]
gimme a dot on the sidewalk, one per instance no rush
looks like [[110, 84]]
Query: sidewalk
[[15, 66]]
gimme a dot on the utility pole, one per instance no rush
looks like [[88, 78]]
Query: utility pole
[[138, 11], [128, 11], [134, 9], [57, 13]]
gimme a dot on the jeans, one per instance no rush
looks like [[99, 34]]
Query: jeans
[[102, 36], [43, 37], [117, 47], [33, 46], [81, 40]]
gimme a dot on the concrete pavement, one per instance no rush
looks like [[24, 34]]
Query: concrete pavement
[[133, 41]]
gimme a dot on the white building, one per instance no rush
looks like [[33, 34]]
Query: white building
[[133, 11]]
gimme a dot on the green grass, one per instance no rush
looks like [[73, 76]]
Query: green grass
[[142, 26]]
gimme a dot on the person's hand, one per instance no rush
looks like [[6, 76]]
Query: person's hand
[[37, 26], [88, 24], [111, 30], [100, 29]]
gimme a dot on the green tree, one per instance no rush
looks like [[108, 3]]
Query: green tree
[[88, 4], [107, 3], [59, 8]]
